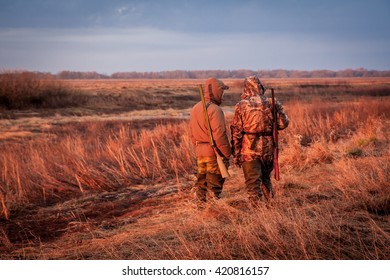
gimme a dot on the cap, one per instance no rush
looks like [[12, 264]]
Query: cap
[[222, 85]]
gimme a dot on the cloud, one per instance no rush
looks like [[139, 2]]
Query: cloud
[[122, 10], [125, 10], [109, 50]]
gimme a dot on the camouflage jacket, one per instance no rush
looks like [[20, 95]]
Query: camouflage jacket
[[251, 129]]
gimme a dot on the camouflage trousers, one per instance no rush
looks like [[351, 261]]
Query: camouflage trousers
[[257, 174], [210, 180]]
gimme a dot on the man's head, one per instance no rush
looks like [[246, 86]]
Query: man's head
[[252, 87], [214, 90]]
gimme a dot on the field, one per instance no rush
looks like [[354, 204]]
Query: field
[[109, 175]]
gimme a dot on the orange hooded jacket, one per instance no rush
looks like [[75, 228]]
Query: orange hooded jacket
[[198, 128]]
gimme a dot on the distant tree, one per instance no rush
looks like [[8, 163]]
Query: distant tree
[[223, 74], [80, 75], [323, 74]]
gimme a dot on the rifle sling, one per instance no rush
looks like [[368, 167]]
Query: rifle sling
[[259, 133]]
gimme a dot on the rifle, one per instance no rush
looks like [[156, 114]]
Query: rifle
[[275, 136], [222, 167]]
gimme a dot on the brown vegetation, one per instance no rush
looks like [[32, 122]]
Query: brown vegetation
[[30, 90], [121, 189]]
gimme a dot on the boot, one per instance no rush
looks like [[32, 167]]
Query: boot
[[268, 190]]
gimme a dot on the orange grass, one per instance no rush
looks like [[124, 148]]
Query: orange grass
[[24, 90], [120, 191], [92, 159]]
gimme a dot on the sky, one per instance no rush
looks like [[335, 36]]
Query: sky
[[110, 36]]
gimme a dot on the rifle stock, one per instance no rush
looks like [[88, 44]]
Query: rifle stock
[[222, 167], [275, 136]]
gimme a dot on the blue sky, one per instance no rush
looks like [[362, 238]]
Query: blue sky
[[115, 35]]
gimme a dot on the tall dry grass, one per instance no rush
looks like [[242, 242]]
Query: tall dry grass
[[25, 90], [92, 157], [332, 201]]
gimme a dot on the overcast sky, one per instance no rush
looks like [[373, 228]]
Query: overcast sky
[[154, 35]]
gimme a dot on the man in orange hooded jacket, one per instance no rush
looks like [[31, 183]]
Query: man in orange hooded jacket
[[209, 178]]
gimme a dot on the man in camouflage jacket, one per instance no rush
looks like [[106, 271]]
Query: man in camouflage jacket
[[252, 141], [209, 176]]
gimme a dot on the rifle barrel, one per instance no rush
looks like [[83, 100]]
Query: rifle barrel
[[222, 167], [206, 116], [275, 136]]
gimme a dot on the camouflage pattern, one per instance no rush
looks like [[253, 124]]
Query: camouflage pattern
[[208, 165], [209, 179], [252, 141], [251, 127]]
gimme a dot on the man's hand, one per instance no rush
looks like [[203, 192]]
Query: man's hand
[[226, 161]]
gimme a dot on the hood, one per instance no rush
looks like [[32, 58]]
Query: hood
[[214, 90], [252, 87]]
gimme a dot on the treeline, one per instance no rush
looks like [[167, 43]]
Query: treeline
[[242, 73], [204, 74]]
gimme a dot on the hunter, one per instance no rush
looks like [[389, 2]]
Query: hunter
[[209, 179], [252, 141]]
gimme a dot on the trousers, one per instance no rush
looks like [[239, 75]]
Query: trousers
[[257, 172], [209, 179]]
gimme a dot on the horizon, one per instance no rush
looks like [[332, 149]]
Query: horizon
[[326, 73], [151, 36]]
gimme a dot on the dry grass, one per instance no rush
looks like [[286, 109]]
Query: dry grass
[[24, 90], [183, 93], [121, 190], [85, 97], [92, 156]]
